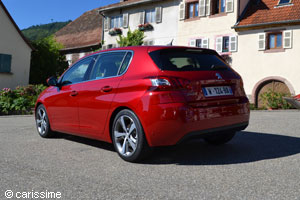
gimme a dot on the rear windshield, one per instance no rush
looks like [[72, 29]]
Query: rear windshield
[[188, 60]]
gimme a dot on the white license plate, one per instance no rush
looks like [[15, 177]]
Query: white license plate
[[217, 91]]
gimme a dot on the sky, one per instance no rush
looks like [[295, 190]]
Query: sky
[[27, 13]]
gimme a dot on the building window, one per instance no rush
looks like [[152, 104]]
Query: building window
[[199, 43], [225, 45], [193, 9], [116, 22], [218, 6], [274, 40], [283, 2], [150, 16], [5, 63]]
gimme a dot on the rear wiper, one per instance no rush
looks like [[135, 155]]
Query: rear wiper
[[218, 67]]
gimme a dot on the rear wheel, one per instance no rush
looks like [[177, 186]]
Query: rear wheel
[[220, 139], [42, 122], [128, 137]]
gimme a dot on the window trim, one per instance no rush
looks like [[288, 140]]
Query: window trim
[[282, 4], [10, 63], [98, 54], [213, 5]]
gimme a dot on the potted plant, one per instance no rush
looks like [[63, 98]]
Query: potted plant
[[145, 27], [115, 31]]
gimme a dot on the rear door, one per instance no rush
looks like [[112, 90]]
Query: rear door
[[97, 94]]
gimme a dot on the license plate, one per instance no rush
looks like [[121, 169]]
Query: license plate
[[217, 91]]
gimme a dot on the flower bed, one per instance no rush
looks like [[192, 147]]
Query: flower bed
[[145, 27], [19, 101], [115, 31]]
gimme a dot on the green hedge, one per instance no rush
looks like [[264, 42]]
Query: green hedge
[[21, 100]]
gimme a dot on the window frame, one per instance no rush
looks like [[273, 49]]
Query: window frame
[[213, 8], [275, 34], [280, 4], [152, 16], [114, 19], [195, 9]]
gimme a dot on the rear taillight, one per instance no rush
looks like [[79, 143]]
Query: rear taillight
[[169, 83], [160, 82]]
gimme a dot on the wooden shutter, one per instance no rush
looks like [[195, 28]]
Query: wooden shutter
[[158, 14], [205, 43], [125, 20], [193, 43], [106, 23], [233, 44], [142, 17], [5, 63], [207, 8], [202, 4], [182, 11], [262, 41], [287, 39], [229, 6], [219, 44]]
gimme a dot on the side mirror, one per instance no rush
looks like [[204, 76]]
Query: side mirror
[[52, 81]]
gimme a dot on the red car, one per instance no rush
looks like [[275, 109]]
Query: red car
[[143, 97]]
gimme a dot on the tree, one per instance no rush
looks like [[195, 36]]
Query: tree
[[134, 38], [46, 60]]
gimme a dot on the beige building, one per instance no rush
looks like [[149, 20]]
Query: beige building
[[269, 45], [158, 20], [15, 53]]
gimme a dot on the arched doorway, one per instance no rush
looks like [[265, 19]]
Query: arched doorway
[[276, 84]]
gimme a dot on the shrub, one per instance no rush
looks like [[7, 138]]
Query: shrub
[[134, 38], [19, 101], [274, 100]]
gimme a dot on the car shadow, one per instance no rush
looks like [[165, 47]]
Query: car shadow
[[244, 148]]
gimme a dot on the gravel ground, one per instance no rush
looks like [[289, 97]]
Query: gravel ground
[[262, 162]]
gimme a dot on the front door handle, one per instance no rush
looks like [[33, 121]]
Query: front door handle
[[74, 93], [106, 89]]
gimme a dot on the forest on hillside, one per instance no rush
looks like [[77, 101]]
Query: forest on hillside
[[38, 32]]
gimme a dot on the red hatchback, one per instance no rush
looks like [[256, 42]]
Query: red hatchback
[[143, 97]]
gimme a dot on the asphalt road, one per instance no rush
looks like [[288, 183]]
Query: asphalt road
[[262, 162]]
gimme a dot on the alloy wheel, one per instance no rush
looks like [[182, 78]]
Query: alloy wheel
[[41, 121]]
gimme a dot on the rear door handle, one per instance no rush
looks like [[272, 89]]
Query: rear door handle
[[74, 93], [106, 89]]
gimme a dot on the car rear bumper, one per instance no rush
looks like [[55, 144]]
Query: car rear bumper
[[169, 124]]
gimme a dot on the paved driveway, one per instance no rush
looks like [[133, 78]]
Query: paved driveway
[[262, 162]]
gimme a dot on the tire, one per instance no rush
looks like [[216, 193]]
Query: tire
[[42, 122], [128, 137], [220, 139]]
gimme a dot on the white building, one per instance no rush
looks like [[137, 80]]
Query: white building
[[161, 15], [15, 53]]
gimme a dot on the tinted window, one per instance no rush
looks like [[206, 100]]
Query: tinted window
[[107, 65], [187, 60], [125, 62], [78, 72]]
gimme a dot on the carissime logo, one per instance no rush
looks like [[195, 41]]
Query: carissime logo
[[219, 76]]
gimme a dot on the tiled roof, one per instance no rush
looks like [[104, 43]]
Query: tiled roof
[[124, 4], [85, 31], [267, 11]]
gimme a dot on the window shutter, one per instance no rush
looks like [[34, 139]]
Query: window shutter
[[219, 44], [193, 43], [142, 17], [262, 41], [158, 14], [106, 24], [125, 20], [287, 39], [5, 63], [229, 6], [205, 43], [233, 44], [207, 8], [202, 4], [182, 11]]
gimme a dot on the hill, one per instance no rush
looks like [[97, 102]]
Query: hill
[[44, 30]]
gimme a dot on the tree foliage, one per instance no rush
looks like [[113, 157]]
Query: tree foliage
[[46, 60], [39, 32], [133, 38]]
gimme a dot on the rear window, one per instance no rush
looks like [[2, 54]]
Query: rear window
[[188, 60]]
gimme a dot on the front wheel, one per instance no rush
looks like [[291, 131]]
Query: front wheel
[[42, 122], [128, 137], [220, 139]]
